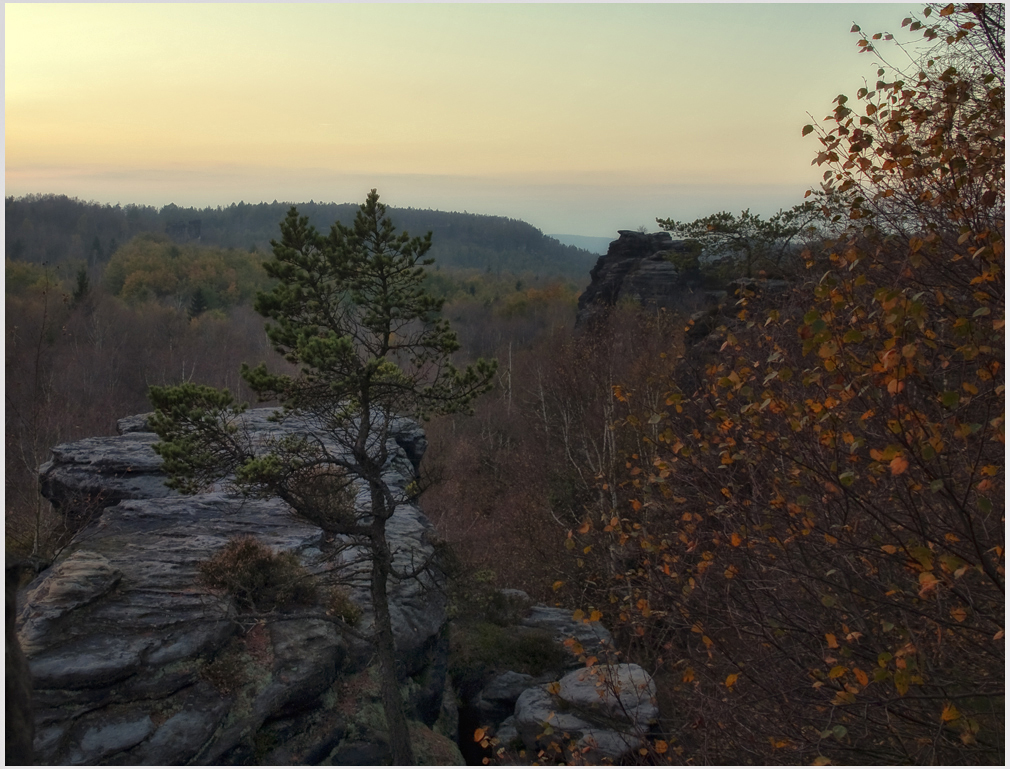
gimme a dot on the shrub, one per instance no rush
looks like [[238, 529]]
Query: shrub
[[477, 648], [340, 605], [258, 578]]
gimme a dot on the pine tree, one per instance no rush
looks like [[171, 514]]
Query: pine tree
[[82, 288], [198, 305], [351, 311]]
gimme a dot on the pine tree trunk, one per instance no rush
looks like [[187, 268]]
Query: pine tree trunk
[[399, 734]]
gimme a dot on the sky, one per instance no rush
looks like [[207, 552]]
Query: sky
[[578, 118]]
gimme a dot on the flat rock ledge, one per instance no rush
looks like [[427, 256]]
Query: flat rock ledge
[[135, 662]]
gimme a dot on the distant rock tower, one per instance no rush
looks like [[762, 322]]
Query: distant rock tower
[[651, 269]]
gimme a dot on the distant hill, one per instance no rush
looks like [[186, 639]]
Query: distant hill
[[585, 242], [56, 228]]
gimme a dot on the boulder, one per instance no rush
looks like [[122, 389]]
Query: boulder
[[603, 712], [135, 661]]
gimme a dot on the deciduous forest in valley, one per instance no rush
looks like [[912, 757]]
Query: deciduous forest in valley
[[782, 490]]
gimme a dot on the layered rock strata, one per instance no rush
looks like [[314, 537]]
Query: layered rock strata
[[640, 267], [135, 661]]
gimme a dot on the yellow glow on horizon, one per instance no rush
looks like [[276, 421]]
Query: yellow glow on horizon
[[544, 93]]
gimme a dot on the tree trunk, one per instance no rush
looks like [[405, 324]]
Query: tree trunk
[[399, 735]]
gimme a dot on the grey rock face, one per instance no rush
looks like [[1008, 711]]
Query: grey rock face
[[637, 266], [496, 701], [594, 638], [86, 476], [606, 710], [135, 661]]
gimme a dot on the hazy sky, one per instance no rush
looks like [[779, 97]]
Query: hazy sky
[[580, 119]]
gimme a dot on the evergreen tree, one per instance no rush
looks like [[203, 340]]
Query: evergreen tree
[[351, 311], [83, 286], [198, 305]]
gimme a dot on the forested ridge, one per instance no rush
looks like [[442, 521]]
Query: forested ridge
[[55, 229], [785, 498]]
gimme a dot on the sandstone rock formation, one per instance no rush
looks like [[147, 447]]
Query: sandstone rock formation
[[604, 712], [651, 269], [135, 661]]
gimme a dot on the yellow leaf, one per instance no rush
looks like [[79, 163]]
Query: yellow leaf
[[688, 676], [959, 613], [706, 640], [949, 713], [553, 688], [595, 615], [578, 615], [832, 641], [821, 761], [731, 679], [557, 585], [889, 549], [844, 698], [837, 671]]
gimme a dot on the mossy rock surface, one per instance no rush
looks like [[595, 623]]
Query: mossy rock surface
[[479, 649]]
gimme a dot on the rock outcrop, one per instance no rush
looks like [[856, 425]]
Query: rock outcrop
[[650, 269], [603, 712], [135, 661]]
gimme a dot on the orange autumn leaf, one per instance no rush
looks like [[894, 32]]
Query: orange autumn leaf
[[661, 747], [478, 734], [832, 641], [861, 676], [898, 465], [735, 540], [731, 679], [950, 713]]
